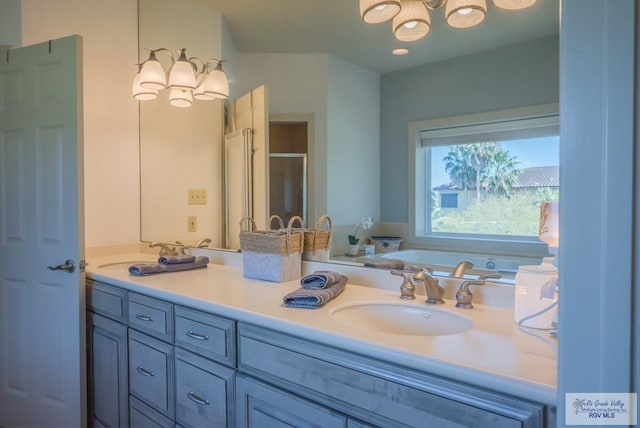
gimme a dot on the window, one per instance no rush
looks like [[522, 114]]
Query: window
[[448, 200], [478, 180]]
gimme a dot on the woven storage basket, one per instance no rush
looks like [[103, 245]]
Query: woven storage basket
[[317, 242], [271, 255]]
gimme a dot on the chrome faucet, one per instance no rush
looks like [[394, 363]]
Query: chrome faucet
[[434, 291], [464, 296], [165, 250], [460, 268], [203, 243], [407, 288]]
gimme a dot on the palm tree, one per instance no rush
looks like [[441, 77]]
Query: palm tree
[[501, 173], [483, 165], [456, 164]]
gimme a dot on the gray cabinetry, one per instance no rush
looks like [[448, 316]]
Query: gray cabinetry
[[107, 397], [156, 364], [260, 405], [204, 392], [151, 372], [374, 391]]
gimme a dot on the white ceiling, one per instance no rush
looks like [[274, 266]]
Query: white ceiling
[[335, 27]]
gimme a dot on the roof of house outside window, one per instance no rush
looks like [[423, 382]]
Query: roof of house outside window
[[532, 177]]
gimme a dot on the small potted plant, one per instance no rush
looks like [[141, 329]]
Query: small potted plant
[[365, 224]]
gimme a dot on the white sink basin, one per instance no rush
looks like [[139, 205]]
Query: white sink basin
[[403, 319]]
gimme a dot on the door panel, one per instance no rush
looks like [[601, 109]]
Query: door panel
[[42, 326]]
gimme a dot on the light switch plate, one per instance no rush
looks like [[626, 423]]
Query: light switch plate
[[197, 196], [192, 223]]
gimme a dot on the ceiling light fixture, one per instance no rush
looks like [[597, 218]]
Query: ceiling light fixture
[[187, 78], [411, 19]]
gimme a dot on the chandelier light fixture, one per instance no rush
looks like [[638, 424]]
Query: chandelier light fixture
[[186, 79], [411, 21]]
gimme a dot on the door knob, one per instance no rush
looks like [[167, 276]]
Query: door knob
[[68, 267]]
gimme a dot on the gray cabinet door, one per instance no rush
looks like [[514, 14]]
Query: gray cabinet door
[[151, 372], [204, 392], [108, 377], [259, 405]]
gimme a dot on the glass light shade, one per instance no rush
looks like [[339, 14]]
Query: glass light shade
[[216, 83], [140, 93], [200, 94], [465, 13], [182, 75], [514, 4], [152, 75], [180, 97], [377, 11], [413, 22]]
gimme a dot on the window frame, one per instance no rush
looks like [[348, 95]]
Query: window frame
[[420, 185]]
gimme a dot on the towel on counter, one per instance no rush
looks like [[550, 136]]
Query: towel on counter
[[150, 269], [320, 279], [172, 260], [313, 298], [384, 263]]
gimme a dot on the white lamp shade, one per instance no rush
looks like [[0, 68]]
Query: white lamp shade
[[140, 93], [377, 11], [413, 22], [152, 75], [465, 13], [200, 94], [549, 230], [180, 97], [182, 76], [216, 83], [514, 4]]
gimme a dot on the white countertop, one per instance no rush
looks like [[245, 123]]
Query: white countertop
[[494, 354]]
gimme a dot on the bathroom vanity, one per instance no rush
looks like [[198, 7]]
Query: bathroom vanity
[[211, 348]]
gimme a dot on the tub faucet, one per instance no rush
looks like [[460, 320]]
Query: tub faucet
[[460, 268], [165, 250], [434, 291], [203, 243]]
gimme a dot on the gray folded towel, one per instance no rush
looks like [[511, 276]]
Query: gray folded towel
[[385, 263], [313, 298], [171, 260], [320, 279], [150, 269]]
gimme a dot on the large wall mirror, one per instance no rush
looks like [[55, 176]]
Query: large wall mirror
[[357, 164]]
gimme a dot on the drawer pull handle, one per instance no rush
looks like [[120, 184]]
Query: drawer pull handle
[[197, 336], [194, 397], [143, 317], [145, 372]]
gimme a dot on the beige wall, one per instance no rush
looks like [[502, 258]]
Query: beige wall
[[111, 162]]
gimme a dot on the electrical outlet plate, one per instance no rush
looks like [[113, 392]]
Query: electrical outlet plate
[[197, 196], [192, 223]]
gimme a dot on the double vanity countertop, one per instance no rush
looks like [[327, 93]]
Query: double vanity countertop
[[493, 354]]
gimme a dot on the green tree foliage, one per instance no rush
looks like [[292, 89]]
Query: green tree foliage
[[481, 166]]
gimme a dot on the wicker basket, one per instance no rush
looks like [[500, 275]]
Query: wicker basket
[[317, 242], [271, 255]]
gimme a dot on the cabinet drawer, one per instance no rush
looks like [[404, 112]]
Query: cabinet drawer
[[260, 405], [207, 335], [370, 389], [107, 300], [152, 316], [143, 416], [151, 372], [204, 392]]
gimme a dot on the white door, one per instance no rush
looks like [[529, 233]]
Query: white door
[[42, 327]]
